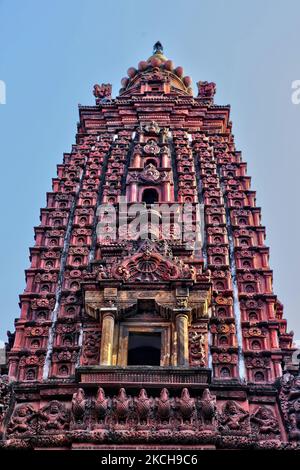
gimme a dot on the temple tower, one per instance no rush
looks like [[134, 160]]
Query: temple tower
[[149, 308]]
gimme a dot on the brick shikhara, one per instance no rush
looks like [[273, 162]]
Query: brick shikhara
[[149, 317]]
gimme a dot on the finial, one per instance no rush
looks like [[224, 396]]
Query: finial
[[158, 48]]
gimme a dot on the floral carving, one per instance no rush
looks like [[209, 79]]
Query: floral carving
[[101, 404], [150, 174], [151, 148]]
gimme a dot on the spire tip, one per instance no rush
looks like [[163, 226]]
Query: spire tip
[[158, 48]]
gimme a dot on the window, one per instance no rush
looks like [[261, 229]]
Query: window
[[30, 374], [150, 161], [253, 316], [150, 196], [255, 344], [259, 377], [67, 341], [35, 344], [225, 373], [223, 340], [144, 349], [145, 343], [63, 370]]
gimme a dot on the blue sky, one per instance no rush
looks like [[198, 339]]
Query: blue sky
[[52, 53]]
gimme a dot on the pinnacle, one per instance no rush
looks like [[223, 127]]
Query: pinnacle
[[158, 48]]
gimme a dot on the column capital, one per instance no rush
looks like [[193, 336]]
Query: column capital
[[108, 312], [184, 311]]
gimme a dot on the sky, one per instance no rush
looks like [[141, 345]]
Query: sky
[[53, 52]]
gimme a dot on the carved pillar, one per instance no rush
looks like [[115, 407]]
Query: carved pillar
[[165, 160], [108, 324], [182, 320], [133, 192], [270, 308], [13, 367], [18, 337], [137, 160], [273, 337], [166, 191]]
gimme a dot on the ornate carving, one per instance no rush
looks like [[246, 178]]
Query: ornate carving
[[152, 128], [264, 422], [101, 404], [32, 360], [53, 417], [225, 358], [257, 361], [197, 348], [5, 396], [36, 331], [163, 405], [150, 174], [102, 92], [42, 303], [208, 408], [122, 405], [150, 265], [79, 403], [177, 419], [186, 405], [151, 148], [182, 302], [91, 347], [233, 419], [65, 355], [289, 398], [143, 406], [223, 300], [72, 264], [206, 90], [23, 420]]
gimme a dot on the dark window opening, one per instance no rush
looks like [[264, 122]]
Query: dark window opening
[[150, 196], [150, 161], [144, 349]]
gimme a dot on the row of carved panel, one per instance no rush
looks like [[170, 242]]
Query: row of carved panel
[[27, 356], [180, 413], [65, 353], [63, 242], [186, 177], [223, 330], [253, 275]]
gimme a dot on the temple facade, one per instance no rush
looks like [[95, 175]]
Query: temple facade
[[149, 318]]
